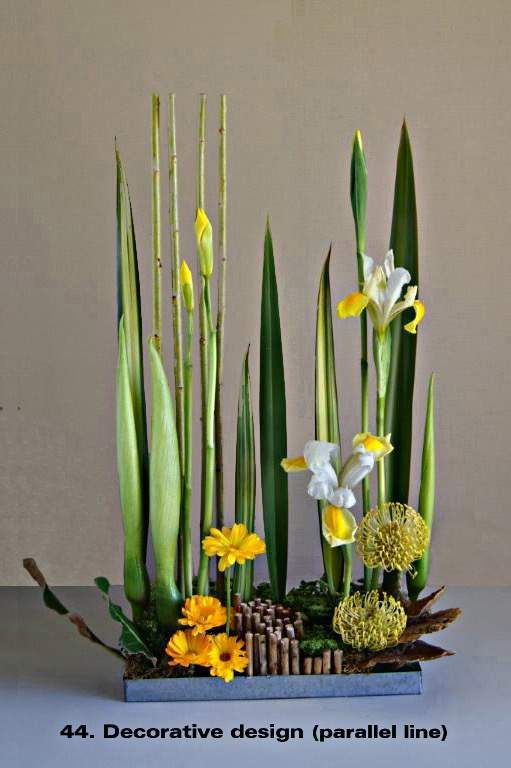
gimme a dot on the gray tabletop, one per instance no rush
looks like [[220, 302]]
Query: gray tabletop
[[50, 677]]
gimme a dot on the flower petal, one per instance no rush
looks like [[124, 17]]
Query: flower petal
[[338, 526], [379, 446], [342, 497], [352, 305], [359, 464], [420, 311], [296, 464], [318, 453], [367, 266], [322, 483], [388, 263], [395, 284]]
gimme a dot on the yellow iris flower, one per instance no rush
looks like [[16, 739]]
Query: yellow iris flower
[[187, 648], [204, 237], [381, 295], [186, 280], [226, 656], [233, 545], [203, 613]]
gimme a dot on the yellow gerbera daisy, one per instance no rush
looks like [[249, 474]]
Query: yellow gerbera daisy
[[185, 648], [226, 657], [203, 613], [233, 545]]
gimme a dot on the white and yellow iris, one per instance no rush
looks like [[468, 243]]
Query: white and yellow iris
[[338, 523], [381, 295]]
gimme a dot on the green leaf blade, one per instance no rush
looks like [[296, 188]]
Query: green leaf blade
[[129, 308], [245, 475], [327, 415], [136, 581], [131, 640], [273, 431], [399, 402], [165, 492], [426, 494]]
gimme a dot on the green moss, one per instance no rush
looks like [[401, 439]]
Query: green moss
[[314, 601], [316, 646]]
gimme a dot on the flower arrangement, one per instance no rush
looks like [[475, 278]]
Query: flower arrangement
[[188, 618]]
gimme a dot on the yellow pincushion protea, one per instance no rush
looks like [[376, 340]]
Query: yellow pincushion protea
[[392, 537], [226, 657], [185, 648], [233, 545], [203, 613], [368, 621]]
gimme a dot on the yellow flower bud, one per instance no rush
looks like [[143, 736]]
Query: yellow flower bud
[[204, 236], [186, 280]]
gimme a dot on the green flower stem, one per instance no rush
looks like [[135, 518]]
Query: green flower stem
[[347, 568], [186, 531], [156, 221], [381, 351], [228, 600], [209, 435], [358, 195]]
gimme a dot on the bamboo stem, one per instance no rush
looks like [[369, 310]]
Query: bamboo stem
[[203, 584], [222, 274], [220, 325], [156, 220], [175, 263]]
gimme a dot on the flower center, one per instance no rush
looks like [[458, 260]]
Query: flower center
[[225, 656]]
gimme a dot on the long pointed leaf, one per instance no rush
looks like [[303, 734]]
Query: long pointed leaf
[[245, 477], [273, 433], [128, 306], [427, 492], [327, 417], [136, 581], [399, 403], [165, 492]]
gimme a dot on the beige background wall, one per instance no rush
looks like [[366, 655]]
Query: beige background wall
[[300, 77]]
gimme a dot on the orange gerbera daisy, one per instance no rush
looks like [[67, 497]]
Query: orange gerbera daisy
[[185, 648], [203, 613], [226, 656], [233, 545]]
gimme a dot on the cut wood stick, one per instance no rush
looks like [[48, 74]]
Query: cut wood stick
[[327, 661], [307, 665], [236, 601], [295, 657], [318, 665], [273, 664], [249, 647], [284, 656], [263, 669], [298, 625], [238, 624], [255, 654], [338, 661], [290, 631]]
